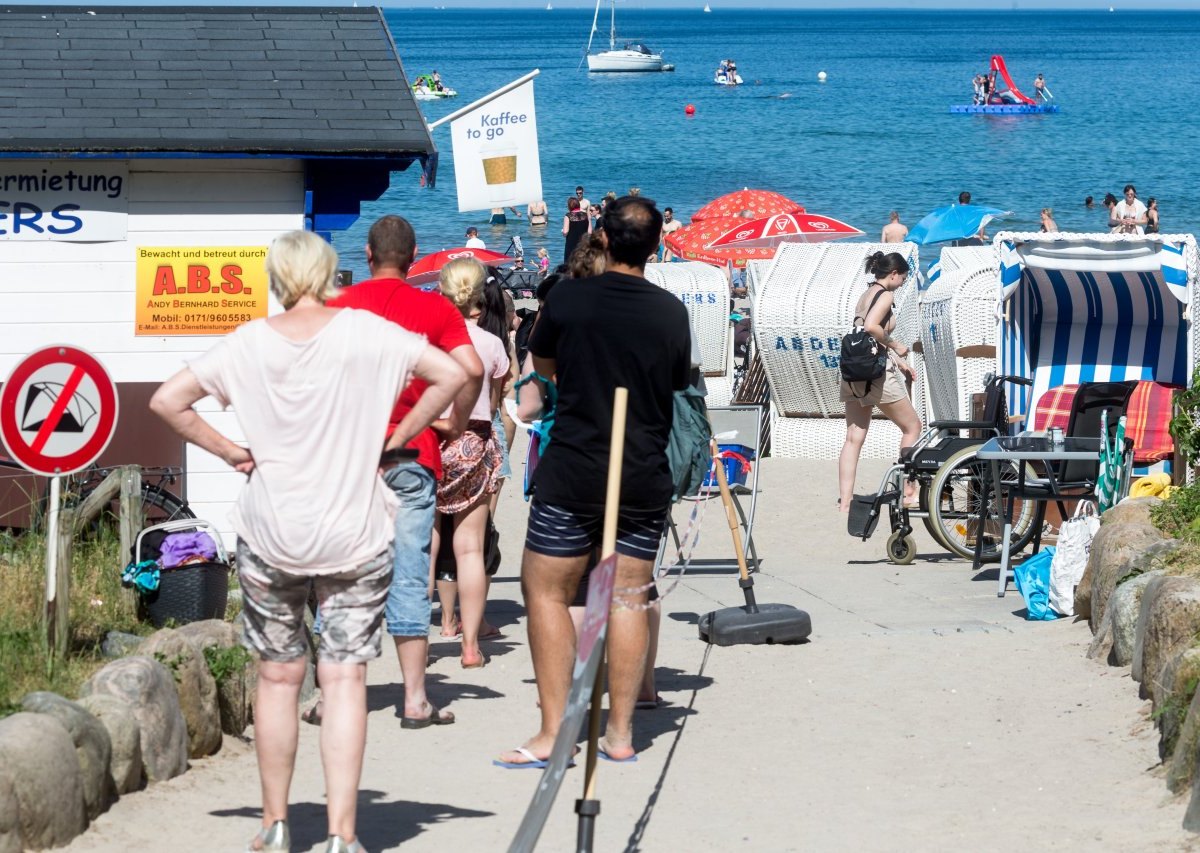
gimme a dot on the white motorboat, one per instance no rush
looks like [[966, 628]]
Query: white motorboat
[[726, 80], [631, 57]]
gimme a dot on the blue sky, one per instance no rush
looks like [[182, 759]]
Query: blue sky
[[718, 5]]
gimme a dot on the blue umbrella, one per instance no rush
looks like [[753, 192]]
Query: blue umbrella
[[954, 222]]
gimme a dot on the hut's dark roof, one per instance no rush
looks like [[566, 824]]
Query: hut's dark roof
[[217, 80]]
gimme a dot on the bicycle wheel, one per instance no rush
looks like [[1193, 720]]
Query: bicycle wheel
[[158, 505], [955, 511]]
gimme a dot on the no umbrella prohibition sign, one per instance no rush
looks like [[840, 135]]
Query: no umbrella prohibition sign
[[58, 411]]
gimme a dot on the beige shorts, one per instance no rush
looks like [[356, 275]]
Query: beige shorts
[[890, 388], [273, 603]]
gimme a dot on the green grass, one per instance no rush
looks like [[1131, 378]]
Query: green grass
[[98, 604]]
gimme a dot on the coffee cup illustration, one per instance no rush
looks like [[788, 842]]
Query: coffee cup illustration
[[500, 172]]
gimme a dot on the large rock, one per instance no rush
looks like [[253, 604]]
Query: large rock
[[118, 644], [1182, 766], [1113, 546], [93, 747], [1171, 694], [38, 756], [1131, 511], [1168, 622], [238, 677], [125, 735], [1101, 646], [149, 689], [1124, 606], [10, 816], [196, 687]]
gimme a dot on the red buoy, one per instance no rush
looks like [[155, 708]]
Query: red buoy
[[689, 110]]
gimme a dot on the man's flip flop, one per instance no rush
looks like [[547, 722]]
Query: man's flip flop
[[534, 762], [648, 704], [435, 718], [608, 757]]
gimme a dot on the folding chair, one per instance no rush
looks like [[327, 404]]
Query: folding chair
[[735, 424]]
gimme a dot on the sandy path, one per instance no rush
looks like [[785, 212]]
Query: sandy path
[[924, 715]]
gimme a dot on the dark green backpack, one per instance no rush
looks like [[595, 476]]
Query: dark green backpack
[[688, 448]]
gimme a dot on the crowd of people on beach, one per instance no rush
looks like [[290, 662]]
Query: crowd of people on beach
[[376, 448]]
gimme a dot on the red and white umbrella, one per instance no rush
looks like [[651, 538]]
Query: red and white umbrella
[[735, 240], [757, 202], [428, 268], [771, 231]]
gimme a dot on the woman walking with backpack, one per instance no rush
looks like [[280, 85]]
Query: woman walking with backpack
[[889, 392]]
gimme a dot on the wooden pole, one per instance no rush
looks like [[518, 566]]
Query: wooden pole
[[130, 519], [608, 544]]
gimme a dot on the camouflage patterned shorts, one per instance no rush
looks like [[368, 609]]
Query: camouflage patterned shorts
[[273, 603]]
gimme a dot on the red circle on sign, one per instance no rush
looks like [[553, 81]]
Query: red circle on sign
[[10, 432]]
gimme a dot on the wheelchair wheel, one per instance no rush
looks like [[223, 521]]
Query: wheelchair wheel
[[955, 511], [901, 550]]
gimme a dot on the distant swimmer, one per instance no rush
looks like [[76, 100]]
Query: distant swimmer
[[895, 231], [1089, 203]]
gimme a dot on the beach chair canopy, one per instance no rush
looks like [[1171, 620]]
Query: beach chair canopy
[[804, 306], [957, 299], [1094, 307], [704, 290]]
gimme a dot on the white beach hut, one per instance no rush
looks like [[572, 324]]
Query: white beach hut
[[957, 306], [704, 290], [802, 308], [1095, 307]]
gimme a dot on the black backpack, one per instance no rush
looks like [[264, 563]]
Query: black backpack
[[863, 358]]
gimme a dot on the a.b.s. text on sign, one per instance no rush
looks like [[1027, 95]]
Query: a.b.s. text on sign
[[63, 200], [199, 290]]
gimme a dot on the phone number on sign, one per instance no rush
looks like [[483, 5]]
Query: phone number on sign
[[200, 318]]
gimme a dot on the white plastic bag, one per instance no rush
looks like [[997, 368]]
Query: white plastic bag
[[1071, 556]]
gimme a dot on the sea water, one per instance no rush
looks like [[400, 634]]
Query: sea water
[[876, 136]]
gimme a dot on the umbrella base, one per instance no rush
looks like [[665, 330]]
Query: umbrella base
[[770, 624]]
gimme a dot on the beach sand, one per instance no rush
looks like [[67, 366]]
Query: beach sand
[[925, 714]]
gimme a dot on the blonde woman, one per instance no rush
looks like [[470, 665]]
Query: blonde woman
[[1048, 223], [471, 463], [313, 389]]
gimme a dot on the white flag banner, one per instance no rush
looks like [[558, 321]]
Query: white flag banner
[[496, 161]]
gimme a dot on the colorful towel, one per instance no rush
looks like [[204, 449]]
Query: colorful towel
[[1054, 408], [1148, 417]]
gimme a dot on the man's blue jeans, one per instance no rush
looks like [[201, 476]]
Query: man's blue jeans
[[407, 611]]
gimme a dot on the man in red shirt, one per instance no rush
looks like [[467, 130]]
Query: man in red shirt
[[391, 248]]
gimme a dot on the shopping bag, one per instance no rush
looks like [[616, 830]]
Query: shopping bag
[[1071, 556], [1032, 578]]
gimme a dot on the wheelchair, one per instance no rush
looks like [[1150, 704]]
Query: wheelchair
[[948, 474]]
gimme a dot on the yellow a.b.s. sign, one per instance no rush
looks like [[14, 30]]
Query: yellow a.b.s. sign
[[199, 290]]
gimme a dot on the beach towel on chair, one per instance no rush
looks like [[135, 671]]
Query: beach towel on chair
[[1053, 409], [1148, 421]]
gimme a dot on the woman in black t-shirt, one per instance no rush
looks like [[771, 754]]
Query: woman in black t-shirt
[[575, 225]]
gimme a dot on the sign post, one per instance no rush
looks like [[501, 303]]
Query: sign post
[[587, 680], [58, 411]]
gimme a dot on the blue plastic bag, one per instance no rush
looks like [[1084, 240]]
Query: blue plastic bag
[[1032, 578]]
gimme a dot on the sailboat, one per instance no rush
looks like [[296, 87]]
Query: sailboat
[[707, 8], [549, 7], [631, 57]]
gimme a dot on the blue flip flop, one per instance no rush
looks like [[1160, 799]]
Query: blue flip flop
[[534, 762], [608, 757]]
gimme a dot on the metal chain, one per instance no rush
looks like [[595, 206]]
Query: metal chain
[[687, 543]]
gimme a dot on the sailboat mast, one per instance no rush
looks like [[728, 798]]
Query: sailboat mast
[[612, 25]]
